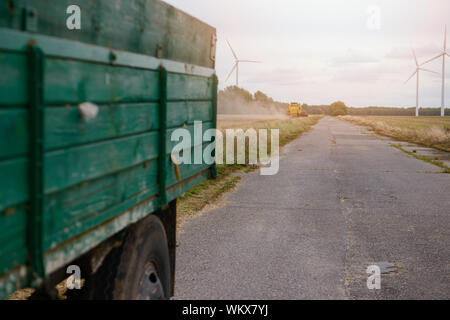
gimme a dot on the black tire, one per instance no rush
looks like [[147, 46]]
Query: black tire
[[139, 269]]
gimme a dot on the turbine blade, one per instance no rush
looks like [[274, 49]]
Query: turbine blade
[[411, 76], [231, 72], [234, 53], [415, 58], [438, 56], [253, 61], [428, 70]]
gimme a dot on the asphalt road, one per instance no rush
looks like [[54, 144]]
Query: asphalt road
[[342, 200]]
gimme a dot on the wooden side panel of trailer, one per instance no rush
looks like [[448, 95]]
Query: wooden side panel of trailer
[[101, 175]]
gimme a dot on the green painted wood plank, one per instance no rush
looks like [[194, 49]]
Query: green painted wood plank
[[13, 240], [191, 129], [180, 188], [15, 279], [14, 188], [186, 170], [76, 204], [13, 251], [185, 113], [73, 82], [120, 217], [71, 249], [67, 49], [71, 166], [52, 240], [13, 79], [85, 202], [137, 26], [185, 87], [12, 220], [13, 132], [65, 127]]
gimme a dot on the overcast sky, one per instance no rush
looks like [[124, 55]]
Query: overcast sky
[[320, 51]]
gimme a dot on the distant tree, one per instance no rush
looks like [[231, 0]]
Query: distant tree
[[235, 100], [338, 108], [318, 109], [236, 93], [262, 97]]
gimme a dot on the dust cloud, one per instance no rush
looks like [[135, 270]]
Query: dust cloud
[[235, 107]]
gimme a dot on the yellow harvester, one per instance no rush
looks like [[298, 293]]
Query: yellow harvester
[[294, 109]]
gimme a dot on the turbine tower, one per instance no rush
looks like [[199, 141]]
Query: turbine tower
[[236, 65], [443, 54], [418, 69]]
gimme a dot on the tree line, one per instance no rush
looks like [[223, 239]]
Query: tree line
[[233, 99]]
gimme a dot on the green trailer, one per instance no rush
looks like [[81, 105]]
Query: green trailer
[[98, 192]]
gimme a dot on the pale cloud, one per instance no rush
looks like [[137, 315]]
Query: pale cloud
[[423, 52], [280, 77], [354, 57]]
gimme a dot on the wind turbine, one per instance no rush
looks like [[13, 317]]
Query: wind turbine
[[418, 69], [442, 54], [236, 65]]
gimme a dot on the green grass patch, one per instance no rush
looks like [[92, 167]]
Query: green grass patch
[[437, 163]]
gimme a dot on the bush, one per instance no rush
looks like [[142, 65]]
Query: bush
[[338, 109]]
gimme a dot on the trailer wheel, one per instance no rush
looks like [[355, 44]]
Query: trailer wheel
[[139, 269]]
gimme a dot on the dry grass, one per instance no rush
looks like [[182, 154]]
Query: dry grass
[[207, 193], [427, 131], [22, 294], [225, 121], [290, 127], [25, 294]]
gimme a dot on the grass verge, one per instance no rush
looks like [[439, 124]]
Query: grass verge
[[426, 131], [210, 191], [437, 163]]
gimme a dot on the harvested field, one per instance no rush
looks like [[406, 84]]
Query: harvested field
[[427, 131]]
